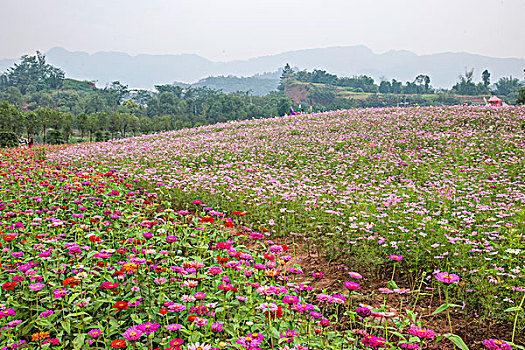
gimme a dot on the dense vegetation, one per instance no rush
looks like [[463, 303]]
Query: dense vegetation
[[37, 100]]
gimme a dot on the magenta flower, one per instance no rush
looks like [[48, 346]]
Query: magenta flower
[[351, 285], [35, 287], [173, 327], [421, 332], [288, 335], [395, 257], [251, 341], [446, 277], [132, 333], [148, 327], [216, 327], [496, 344], [95, 333], [290, 299]]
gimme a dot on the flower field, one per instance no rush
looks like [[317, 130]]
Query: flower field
[[195, 239]]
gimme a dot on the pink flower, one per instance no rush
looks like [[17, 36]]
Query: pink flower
[[351, 285], [422, 332], [132, 333], [446, 277], [496, 344], [395, 257]]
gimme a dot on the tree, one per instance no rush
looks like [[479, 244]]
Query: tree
[[12, 95], [423, 82], [283, 105], [82, 124], [507, 85], [145, 125], [286, 75], [9, 118], [134, 124], [32, 74], [385, 87], [485, 77], [521, 97], [465, 85]]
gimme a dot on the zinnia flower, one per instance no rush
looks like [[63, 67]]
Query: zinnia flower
[[496, 344], [198, 346], [132, 333], [446, 277]]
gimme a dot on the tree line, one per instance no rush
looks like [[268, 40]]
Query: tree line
[[37, 100], [508, 87]]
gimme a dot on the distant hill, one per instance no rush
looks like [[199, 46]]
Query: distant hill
[[260, 84], [145, 71]]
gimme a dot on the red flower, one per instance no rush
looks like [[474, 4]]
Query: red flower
[[8, 238], [269, 257], [207, 219], [118, 344], [284, 246], [9, 285], [94, 238], [163, 311], [221, 260], [71, 281], [120, 305], [274, 314], [228, 224], [191, 318]]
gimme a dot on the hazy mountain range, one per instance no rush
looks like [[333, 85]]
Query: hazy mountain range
[[145, 71]]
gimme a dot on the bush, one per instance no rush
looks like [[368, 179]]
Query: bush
[[54, 137], [101, 136], [8, 139]]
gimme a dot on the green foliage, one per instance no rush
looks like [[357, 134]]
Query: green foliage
[[508, 87], [32, 74], [8, 139], [466, 85], [521, 97], [485, 77], [55, 137]]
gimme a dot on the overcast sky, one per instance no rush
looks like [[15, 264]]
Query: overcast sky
[[224, 30]]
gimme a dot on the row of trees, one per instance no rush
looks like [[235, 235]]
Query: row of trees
[[506, 86]]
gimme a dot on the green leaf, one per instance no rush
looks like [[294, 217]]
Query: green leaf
[[392, 285], [135, 318], [512, 309], [66, 325], [79, 341], [397, 334], [519, 347], [275, 332], [441, 309], [456, 339], [77, 314]]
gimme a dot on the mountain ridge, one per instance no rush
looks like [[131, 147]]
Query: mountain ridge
[[147, 70]]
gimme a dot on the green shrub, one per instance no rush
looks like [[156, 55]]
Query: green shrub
[[8, 139], [54, 137]]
